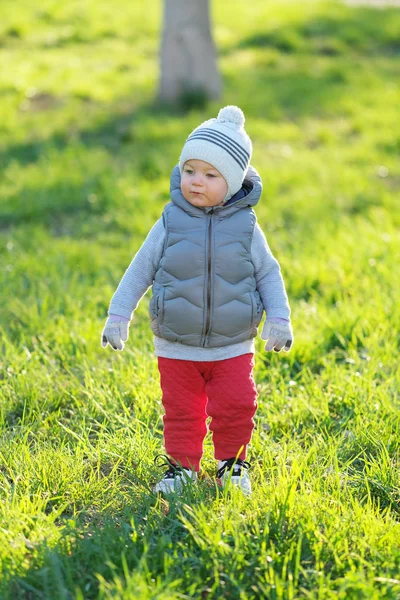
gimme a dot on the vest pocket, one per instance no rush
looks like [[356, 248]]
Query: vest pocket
[[157, 306], [156, 309], [257, 308], [153, 307], [160, 306]]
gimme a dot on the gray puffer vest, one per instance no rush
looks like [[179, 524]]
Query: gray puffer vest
[[204, 291]]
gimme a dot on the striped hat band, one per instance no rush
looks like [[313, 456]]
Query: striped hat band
[[237, 152]]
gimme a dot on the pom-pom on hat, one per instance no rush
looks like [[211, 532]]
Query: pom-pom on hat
[[224, 144]]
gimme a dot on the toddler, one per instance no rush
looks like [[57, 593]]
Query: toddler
[[212, 275]]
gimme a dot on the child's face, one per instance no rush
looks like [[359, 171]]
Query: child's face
[[202, 184]]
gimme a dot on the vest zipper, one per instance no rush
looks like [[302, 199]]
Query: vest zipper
[[208, 307]]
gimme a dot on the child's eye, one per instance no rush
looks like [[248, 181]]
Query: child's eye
[[210, 175], [188, 171]]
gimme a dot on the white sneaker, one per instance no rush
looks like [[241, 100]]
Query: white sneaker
[[234, 471], [175, 477]]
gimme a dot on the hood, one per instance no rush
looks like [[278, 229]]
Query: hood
[[248, 195]]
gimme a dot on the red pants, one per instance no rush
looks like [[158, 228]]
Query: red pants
[[192, 391]]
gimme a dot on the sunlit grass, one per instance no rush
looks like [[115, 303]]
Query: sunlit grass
[[85, 163]]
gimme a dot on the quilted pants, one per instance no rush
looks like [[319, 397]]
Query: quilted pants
[[192, 391]]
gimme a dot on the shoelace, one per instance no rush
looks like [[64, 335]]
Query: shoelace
[[230, 463], [173, 468]]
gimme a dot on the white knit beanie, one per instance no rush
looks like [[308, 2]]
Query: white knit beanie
[[224, 144]]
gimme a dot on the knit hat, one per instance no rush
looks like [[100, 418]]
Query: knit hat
[[224, 144]]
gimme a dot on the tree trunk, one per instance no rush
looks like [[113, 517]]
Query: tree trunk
[[188, 62]]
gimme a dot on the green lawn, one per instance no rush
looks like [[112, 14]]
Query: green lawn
[[85, 161]]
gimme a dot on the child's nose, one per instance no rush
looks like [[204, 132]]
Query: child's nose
[[197, 180]]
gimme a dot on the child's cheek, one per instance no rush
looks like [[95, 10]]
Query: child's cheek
[[184, 190]]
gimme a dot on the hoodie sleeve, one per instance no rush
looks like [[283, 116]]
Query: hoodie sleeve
[[139, 276], [268, 277]]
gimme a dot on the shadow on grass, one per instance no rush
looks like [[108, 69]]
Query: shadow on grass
[[102, 545], [49, 204], [364, 30], [112, 134]]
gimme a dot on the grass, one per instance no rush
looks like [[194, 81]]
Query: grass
[[85, 163]]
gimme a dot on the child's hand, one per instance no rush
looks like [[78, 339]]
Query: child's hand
[[278, 335], [115, 332]]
